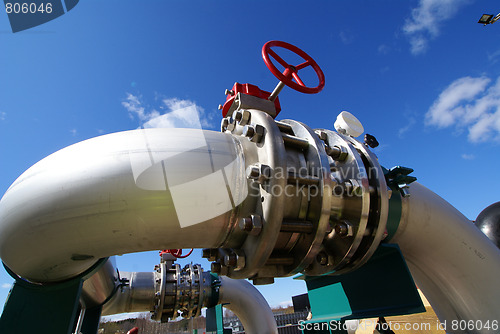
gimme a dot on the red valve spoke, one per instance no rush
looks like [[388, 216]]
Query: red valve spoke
[[296, 77], [177, 253], [278, 58], [180, 256], [303, 65], [289, 76]]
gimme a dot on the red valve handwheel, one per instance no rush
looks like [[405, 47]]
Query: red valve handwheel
[[176, 253], [290, 71]]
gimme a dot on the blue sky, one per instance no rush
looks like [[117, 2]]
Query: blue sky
[[422, 76]]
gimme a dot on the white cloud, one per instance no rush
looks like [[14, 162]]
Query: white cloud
[[180, 114], [174, 113], [418, 44], [469, 102], [6, 285], [73, 132], [448, 108], [346, 37], [2, 115], [494, 56], [383, 49], [426, 19], [134, 107], [466, 156], [410, 122]]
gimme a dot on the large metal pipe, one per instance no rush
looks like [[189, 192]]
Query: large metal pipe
[[129, 192], [454, 263], [138, 295], [177, 188], [239, 296], [121, 193], [99, 287], [249, 305]]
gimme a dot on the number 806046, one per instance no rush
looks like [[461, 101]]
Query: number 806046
[[28, 8]]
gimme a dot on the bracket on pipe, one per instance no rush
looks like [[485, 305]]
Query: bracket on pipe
[[50, 308]]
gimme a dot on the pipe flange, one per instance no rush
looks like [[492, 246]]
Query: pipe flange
[[318, 185], [267, 148], [350, 206], [379, 203], [359, 206], [160, 279], [180, 292], [188, 302]]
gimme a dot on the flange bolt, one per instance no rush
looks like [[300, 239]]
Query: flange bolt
[[252, 225], [341, 229], [371, 140], [322, 258], [216, 267]]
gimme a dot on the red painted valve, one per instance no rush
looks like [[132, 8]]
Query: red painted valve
[[176, 252], [290, 72], [289, 77], [134, 330]]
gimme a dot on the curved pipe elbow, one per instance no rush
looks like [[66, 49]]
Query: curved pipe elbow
[[249, 305], [121, 193], [452, 261]]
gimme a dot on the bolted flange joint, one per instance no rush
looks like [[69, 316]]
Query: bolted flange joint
[[224, 124], [353, 188], [242, 117], [322, 135], [322, 258], [260, 173], [210, 254], [254, 133], [252, 225], [234, 260], [343, 229], [338, 153], [215, 267]]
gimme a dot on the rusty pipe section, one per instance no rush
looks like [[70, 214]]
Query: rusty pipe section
[[452, 261], [121, 193]]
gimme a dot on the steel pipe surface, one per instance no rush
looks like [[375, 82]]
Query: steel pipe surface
[[137, 296], [455, 265], [239, 296], [99, 287], [248, 304], [120, 193]]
